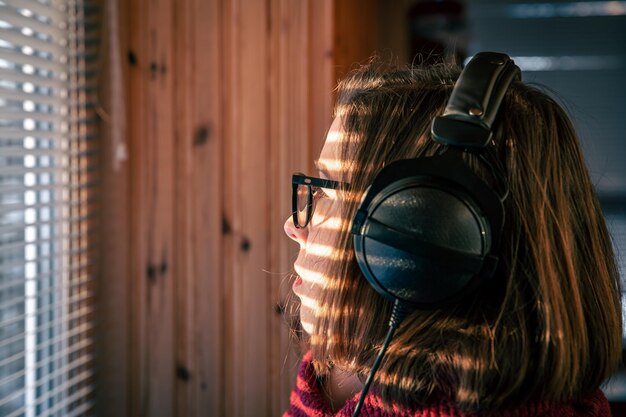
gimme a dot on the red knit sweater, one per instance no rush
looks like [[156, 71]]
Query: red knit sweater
[[308, 401]]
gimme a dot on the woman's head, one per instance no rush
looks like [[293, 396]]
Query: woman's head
[[546, 326]]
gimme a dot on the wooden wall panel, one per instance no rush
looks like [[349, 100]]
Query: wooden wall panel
[[226, 98]]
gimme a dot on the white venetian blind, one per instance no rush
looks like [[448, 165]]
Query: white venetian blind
[[47, 160]]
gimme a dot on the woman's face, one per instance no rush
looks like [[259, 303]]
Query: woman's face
[[317, 238]]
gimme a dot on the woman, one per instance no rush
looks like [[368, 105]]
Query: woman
[[537, 339]]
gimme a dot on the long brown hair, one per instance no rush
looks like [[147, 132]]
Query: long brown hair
[[548, 325]]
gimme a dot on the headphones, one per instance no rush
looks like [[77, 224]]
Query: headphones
[[427, 230]]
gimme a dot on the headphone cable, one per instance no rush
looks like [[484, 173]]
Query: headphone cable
[[398, 314]]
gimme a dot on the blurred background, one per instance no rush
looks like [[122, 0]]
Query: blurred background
[[146, 149]]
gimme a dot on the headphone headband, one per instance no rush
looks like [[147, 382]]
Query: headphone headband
[[475, 100], [427, 230]]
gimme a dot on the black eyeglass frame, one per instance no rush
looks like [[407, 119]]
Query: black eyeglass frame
[[299, 178]]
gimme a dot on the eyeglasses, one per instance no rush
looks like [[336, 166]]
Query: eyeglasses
[[302, 192]]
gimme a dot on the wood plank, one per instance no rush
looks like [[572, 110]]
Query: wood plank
[[136, 285], [152, 176], [323, 58], [198, 209], [186, 370], [250, 213], [229, 96], [356, 33], [289, 30]]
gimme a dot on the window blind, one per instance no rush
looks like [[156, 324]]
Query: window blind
[[47, 172]]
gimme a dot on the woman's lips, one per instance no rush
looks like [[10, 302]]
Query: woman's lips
[[296, 283]]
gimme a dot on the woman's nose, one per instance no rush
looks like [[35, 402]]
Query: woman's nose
[[299, 235]]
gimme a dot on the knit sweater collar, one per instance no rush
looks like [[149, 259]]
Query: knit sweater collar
[[308, 401]]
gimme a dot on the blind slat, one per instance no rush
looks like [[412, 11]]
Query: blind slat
[[14, 18], [21, 170], [74, 186], [55, 152], [22, 40], [13, 114], [20, 76], [9, 132], [8, 208], [11, 228], [42, 63], [52, 12], [10, 94]]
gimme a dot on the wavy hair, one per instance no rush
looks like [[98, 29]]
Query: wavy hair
[[548, 327]]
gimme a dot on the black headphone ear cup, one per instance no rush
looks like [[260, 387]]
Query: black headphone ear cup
[[427, 230], [423, 243], [433, 213]]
